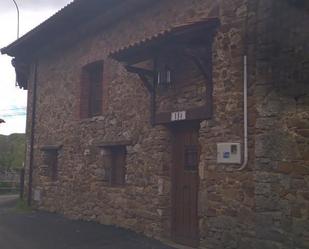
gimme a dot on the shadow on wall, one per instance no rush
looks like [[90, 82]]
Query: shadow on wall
[[288, 54]]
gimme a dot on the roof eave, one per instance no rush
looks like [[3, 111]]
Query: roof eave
[[73, 14]]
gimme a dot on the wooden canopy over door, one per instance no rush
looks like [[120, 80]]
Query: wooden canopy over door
[[185, 185]]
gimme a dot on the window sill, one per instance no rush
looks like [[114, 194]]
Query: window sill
[[114, 186], [92, 119], [117, 186]]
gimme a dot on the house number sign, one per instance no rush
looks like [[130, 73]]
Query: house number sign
[[178, 116]]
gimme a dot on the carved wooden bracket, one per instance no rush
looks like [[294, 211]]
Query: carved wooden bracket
[[22, 70], [145, 75], [193, 40]]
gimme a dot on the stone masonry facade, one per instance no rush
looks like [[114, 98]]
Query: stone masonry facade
[[264, 206]]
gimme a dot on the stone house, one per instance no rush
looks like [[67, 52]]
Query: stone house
[[185, 120]]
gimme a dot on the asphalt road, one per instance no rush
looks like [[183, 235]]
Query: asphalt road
[[41, 230]]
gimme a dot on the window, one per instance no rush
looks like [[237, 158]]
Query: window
[[50, 161], [115, 162], [191, 158], [91, 90]]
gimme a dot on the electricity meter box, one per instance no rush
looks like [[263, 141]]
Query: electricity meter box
[[229, 153]]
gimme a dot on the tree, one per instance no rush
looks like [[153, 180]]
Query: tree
[[12, 150]]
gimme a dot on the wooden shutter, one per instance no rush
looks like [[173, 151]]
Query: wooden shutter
[[54, 164], [84, 95], [91, 90], [95, 98], [118, 165]]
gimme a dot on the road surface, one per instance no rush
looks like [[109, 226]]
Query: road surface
[[41, 230]]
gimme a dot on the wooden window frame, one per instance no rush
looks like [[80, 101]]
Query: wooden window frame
[[115, 164], [118, 166], [51, 162], [91, 90], [191, 157]]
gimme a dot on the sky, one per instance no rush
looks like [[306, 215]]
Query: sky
[[13, 100]]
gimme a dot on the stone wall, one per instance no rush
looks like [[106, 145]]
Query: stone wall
[[264, 206], [282, 139]]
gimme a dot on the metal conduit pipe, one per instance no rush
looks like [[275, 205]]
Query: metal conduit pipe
[[245, 161], [33, 114]]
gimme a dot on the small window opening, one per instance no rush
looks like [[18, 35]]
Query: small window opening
[[191, 157], [115, 165], [164, 77], [50, 158]]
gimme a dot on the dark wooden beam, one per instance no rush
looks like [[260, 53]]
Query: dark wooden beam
[[202, 57], [143, 73], [201, 64], [139, 70]]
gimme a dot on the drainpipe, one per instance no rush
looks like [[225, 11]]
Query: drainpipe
[[245, 72], [32, 133], [153, 94], [245, 162]]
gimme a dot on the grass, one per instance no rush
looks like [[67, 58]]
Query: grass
[[22, 207]]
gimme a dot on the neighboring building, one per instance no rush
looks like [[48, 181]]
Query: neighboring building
[[137, 107]]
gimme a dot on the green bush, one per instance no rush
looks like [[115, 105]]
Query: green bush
[[8, 188]]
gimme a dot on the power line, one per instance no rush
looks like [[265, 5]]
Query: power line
[[21, 107], [18, 111], [13, 109], [13, 115]]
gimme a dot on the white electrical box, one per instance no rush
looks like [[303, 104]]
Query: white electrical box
[[37, 195], [228, 153]]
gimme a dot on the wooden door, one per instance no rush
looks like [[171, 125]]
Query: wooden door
[[185, 185], [118, 170]]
